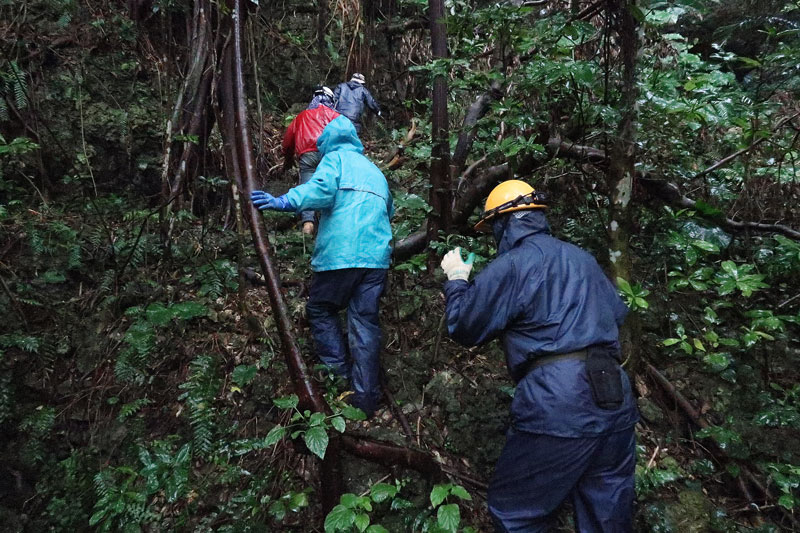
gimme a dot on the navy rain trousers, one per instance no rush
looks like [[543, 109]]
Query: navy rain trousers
[[536, 473], [358, 290], [308, 164]]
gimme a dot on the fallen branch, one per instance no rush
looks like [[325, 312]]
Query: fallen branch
[[725, 160], [394, 160], [568, 150], [670, 193], [391, 455]]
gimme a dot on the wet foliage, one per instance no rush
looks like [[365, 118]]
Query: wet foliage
[[143, 385]]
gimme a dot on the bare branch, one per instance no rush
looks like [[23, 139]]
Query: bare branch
[[670, 193], [568, 150], [725, 160], [475, 112]]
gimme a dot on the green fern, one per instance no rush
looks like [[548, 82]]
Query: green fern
[[37, 427], [216, 278], [13, 88], [132, 362], [201, 390], [25, 343], [130, 409], [6, 398]]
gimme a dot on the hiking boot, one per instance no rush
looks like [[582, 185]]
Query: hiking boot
[[308, 228]]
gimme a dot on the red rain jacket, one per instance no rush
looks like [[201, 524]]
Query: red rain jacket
[[302, 134]]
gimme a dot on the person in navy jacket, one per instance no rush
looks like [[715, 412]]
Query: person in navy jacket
[[573, 412], [351, 97]]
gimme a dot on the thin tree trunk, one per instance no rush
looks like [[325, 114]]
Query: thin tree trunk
[[441, 192], [331, 466], [622, 158]]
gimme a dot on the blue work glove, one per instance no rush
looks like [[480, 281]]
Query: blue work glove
[[264, 200]]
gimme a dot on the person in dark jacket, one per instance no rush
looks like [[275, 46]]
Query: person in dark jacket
[[322, 96], [573, 412], [351, 97], [351, 256], [300, 140]]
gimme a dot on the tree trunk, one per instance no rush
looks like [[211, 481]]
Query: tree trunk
[[622, 158], [440, 192]]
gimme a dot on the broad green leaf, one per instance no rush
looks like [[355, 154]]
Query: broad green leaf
[[317, 441], [699, 345], [670, 342], [624, 286], [708, 210], [400, 503], [365, 503], [298, 501], [98, 516], [275, 434], [692, 256], [338, 423], [316, 419], [377, 528], [277, 511], [730, 268], [460, 492], [449, 517], [349, 500], [353, 413], [786, 501], [705, 245], [382, 491], [439, 493], [339, 519], [244, 374], [287, 402], [718, 361], [361, 521]]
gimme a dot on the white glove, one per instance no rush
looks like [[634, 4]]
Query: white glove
[[456, 268]]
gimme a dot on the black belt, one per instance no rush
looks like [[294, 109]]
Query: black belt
[[580, 355]]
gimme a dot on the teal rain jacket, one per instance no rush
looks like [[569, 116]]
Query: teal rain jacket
[[354, 202]]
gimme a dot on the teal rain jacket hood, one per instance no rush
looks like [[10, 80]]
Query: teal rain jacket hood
[[354, 202]]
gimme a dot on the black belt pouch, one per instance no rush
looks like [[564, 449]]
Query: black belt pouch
[[604, 377]]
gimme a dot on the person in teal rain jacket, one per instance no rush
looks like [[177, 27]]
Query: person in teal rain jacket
[[351, 257]]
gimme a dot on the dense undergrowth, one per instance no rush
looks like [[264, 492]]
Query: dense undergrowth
[[142, 383]]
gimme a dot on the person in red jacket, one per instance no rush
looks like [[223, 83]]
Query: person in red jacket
[[300, 140]]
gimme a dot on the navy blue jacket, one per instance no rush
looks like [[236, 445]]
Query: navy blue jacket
[[543, 296], [350, 98]]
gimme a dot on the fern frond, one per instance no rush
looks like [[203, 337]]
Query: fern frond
[[130, 409], [201, 390], [19, 84]]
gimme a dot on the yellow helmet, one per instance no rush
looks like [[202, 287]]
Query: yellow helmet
[[511, 195]]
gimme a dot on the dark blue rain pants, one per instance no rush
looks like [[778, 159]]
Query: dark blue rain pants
[[357, 290], [307, 164], [536, 473]]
